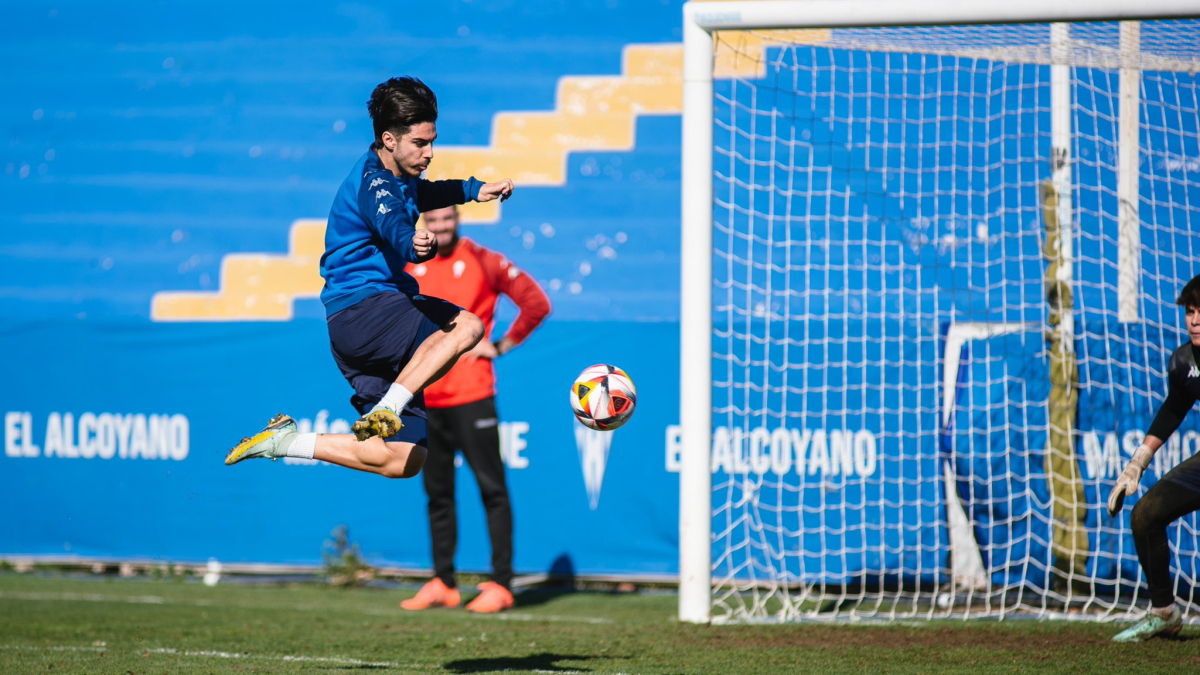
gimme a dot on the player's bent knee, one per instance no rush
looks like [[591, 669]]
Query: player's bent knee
[[1143, 517], [416, 460], [406, 462], [470, 329]]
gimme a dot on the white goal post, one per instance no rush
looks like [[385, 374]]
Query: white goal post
[[701, 22]]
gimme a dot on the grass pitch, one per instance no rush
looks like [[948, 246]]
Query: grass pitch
[[61, 624]]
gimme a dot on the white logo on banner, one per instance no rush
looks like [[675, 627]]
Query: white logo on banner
[[593, 448]]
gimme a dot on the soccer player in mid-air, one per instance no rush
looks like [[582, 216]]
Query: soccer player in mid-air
[[388, 339], [1174, 495]]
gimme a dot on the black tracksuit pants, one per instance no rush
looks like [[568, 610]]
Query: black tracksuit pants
[[472, 428]]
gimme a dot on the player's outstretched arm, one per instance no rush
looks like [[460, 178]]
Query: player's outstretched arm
[[501, 189], [438, 194]]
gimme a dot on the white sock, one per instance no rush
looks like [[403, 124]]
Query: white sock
[[303, 445], [396, 398]]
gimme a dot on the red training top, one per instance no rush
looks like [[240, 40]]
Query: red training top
[[473, 277]]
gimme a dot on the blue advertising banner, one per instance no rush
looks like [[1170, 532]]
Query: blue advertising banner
[[103, 461]]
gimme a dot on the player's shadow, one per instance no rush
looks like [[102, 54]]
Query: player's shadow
[[560, 581], [545, 662]]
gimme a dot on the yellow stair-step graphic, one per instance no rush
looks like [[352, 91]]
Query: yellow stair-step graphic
[[254, 286], [590, 113], [531, 148]]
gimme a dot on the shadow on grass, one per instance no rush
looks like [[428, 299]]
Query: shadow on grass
[[540, 596], [561, 581], [544, 662]]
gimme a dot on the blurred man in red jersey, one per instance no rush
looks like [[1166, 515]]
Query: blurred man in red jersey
[[462, 408]]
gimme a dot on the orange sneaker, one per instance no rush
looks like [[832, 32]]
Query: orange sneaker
[[433, 594], [494, 598]]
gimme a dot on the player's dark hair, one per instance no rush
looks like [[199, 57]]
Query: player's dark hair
[[1190, 295], [399, 104]]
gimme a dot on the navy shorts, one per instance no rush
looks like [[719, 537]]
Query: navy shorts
[[374, 339]]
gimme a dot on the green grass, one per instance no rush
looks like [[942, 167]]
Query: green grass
[[52, 624]]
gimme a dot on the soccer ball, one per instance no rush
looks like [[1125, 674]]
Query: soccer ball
[[603, 397]]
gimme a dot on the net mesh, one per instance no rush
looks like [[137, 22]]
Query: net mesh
[[884, 357]]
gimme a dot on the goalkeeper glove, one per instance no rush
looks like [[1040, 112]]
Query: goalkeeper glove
[[1127, 482]]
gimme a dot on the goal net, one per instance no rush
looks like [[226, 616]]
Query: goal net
[[944, 261]]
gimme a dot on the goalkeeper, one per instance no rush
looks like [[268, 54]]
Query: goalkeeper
[[1175, 494]]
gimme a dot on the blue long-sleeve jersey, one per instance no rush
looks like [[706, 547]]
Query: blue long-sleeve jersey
[[369, 237]]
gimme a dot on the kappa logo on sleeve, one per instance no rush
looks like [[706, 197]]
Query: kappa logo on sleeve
[[383, 209], [1194, 372], [376, 183], [379, 194]]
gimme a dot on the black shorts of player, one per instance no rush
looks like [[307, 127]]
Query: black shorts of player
[[373, 340]]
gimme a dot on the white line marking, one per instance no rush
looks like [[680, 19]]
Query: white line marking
[[54, 648], [512, 616], [289, 658], [87, 597], [155, 600], [339, 660], [500, 616]]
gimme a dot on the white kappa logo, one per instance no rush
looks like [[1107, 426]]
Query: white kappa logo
[[375, 183], [380, 193], [593, 446], [383, 209], [1194, 372]]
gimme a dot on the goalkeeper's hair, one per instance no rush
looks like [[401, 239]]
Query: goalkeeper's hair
[[1190, 295], [399, 104]]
